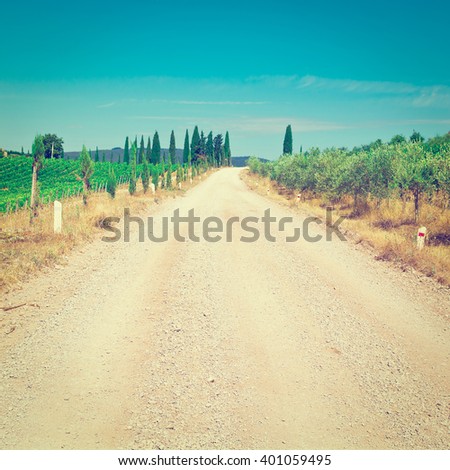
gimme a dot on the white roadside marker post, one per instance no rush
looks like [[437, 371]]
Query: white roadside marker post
[[152, 186], [421, 234], [57, 217]]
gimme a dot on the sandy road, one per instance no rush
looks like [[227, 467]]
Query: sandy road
[[227, 344]]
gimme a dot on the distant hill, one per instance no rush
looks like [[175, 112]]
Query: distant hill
[[116, 154], [242, 161]]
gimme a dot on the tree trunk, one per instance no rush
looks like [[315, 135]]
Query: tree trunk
[[34, 195], [416, 205], [85, 191]]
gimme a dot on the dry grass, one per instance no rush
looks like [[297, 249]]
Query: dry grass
[[25, 248], [388, 228]]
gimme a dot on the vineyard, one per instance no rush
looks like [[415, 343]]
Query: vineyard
[[58, 179]]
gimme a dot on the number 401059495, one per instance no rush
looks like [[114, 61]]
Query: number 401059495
[[296, 459]]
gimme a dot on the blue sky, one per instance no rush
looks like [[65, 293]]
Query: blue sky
[[341, 73]]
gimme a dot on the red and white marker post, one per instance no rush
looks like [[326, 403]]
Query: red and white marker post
[[421, 235]]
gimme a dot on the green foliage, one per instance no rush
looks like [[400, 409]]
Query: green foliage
[[145, 175], [397, 139], [38, 152], [38, 159], [287, 144], [155, 176], [442, 171], [186, 152], [141, 155], [414, 171], [58, 179], [439, 144], [96, 158], [172, 148], [169, 178], [179, 174], [201, 151], [156, 150], [87, 169], [57, 143], [256, 166], [111, 184], [227, 149], [195, 144], [377, 170], [218, 149], [416, 137], [210, 149], [132, 183], [126, 152], [148, 151]]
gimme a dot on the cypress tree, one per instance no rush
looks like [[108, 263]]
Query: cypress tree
[[126, 152], [210, 149], [186, 148], [87, 169], [111, 183], [132, 184], [179, 174], [145, 175], [103, 157], [287, 144], [141, 156], [156, 149], [218, 149], [172, 149], [155, 176], [169, 178], [202, 145], [227, 149], [148, 151], [38, 150], [194, 144], [97, 158]]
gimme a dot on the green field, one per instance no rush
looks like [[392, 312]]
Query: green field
[[58, 179]]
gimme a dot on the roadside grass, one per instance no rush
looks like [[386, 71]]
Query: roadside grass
[[26, 249], [388, 228]]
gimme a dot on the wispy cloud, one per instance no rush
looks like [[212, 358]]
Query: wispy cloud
[[221, 103], [211, 103], [158, 118], [277, 125], [413, 95], [106, 105], [395, 123]]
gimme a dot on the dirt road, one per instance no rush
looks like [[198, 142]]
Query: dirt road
[[226, 345]]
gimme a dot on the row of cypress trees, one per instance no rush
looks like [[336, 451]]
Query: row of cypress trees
[[212, 150]]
